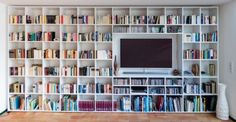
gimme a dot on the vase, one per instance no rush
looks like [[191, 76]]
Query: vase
[[222, 109]]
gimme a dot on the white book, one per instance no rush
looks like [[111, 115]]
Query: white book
[[198, 19], [22, 88]]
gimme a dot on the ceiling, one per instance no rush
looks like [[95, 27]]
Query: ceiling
[[114, 2]]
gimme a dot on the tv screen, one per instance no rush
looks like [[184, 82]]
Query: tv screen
[[146, 53]]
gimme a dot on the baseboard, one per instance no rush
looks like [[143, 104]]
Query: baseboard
[[3, 112], [232, 119]]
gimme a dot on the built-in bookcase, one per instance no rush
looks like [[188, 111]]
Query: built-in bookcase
[[61, 59]]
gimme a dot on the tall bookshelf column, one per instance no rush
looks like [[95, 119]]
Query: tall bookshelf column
[[16, 58], [209, 57]]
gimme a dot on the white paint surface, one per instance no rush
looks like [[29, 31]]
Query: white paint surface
[[114, 2], [227, 52], [3, 63]]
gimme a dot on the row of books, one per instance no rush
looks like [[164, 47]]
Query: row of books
[[87, 54], [174, 29], [52, 53], [138, 29], [192, 19], [191, 54], [191, 37], [209, 54], [156, 19], [69, 54], [142, 103], [209, 87], [34, 53], [138, 19], [69, 88], [17, 71], [170, 104], [156, 90], [87, 105], [156, 29], [106, 19], [69, 70], [68, 19], [50, 36], [69, 37], [117, 19], [192, 104], [210, 37], [121, 81], [52, 88], [96, 36], [173, 81], [124, 103], [121, 90], [155, 81], [69, 103], [85, 19], [138, 81], [17, 19], [105, 71], [35, 36], [103, 105], [126, 19], [17, 87], [17, 53], [95, 54], [208, 19], [51, 19], [37, 87], [173, 104], [209, 103], [87, 71], [148, 103], [103, 88], [92, 71], [17, 36], [172, 19], [38, 19], [192, 89], [86, 88], [17, 102], [173, 90], [121, 29], [51, 104], [35, 70], [33, 103], [51, 71]]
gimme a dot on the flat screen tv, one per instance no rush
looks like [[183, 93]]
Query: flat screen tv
[[146, 53]]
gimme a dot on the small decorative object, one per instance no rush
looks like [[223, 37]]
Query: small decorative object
[[195, 69], [176, 72], [115, 67], [222, 109]]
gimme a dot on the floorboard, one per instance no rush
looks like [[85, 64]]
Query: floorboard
[[107, 117]]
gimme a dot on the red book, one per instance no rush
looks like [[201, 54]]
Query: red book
[[62, 19], [47, 88]]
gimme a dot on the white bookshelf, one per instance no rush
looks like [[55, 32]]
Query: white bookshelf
[[95, 19]]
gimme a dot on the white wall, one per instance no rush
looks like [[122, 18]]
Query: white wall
[[227, 52], [3, 58]]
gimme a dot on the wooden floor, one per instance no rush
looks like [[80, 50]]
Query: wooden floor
[[107, 117]]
